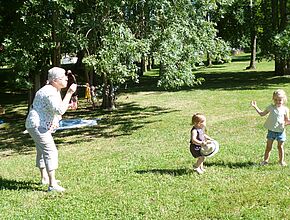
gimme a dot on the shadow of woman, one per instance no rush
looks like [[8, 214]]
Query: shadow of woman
[[19, 185]]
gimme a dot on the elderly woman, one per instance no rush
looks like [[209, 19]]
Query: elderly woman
[[43, 119]]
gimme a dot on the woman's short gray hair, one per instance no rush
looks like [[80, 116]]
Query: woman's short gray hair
[[55, 73]]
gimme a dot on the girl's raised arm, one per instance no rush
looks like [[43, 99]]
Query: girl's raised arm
[[258, 110]]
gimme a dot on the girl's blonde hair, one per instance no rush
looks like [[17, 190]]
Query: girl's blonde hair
[[196, 118], [280, 93]]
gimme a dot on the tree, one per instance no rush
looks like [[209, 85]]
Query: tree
[[241, 25], [233, 26], [114, 34], [114, 60], [33, 45], [253, 34], [275, 27], [186, 35]]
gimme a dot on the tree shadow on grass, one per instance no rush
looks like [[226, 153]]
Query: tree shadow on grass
[[243, 80], [12, 138], [172, 172], [244, 57], [19, 185], [145, 84], [219, 80], [128, 118]]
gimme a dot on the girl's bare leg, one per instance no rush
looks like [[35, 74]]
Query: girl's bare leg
[[281, 153], [199, 162], [268, 150]]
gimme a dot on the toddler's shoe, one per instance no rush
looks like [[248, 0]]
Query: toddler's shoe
[[264, 163], [283, 164], [56, 188]]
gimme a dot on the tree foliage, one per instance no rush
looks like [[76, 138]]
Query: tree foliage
[[115, 35], [282, 42], [29, 45]]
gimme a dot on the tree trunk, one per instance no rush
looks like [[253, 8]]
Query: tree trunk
[[288, 67], [91, 76], [283, 15], [56, 56], [149, 66], [36, 86], [279, 22], [30, 99], [161, 68], [108, 94], [282, 26], [253, 39], [253, 50], [279, 66], [79, 67], [143, 65], [275, 24], [152, 62], [112, 96], [88, 70], [105, 92], [274, 14], [209, 61]]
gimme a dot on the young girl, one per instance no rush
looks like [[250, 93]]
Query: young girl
[[198, 140], [88, 92], [275, 123]]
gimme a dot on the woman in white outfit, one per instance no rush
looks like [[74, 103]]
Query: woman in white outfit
[[42, 120]]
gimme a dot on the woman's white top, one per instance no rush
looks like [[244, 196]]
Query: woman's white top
[[46, 109]]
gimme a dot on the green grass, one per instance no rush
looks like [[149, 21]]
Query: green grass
[[136, 163]]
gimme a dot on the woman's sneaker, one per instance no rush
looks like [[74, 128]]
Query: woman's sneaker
[[46, 182], [56, 188], [198, 170]]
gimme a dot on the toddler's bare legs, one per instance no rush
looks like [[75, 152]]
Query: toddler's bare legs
[[199, 165], [268, 150], [281, 153], [199, 162]]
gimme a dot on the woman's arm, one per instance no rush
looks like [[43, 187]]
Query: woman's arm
[[60, 106]]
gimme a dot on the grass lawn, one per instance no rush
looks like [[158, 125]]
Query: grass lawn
[[136, 163]]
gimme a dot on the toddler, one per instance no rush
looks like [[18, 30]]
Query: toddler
[[198, 140], [275, 123]]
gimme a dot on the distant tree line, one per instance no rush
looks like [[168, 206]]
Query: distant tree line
[[117, 41]]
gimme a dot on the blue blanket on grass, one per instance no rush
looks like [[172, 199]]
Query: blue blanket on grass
[[76, 123]]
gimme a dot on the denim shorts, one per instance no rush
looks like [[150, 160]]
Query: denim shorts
[[279, 136]]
